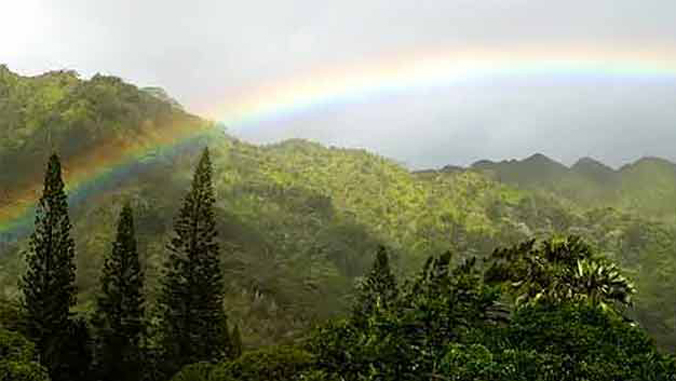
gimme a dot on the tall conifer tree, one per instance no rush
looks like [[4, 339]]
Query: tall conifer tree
[[120, 308], [48, 284], [193, 326]]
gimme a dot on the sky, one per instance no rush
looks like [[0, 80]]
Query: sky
[[343, 72]]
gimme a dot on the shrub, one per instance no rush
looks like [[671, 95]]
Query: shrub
[[15, 347], [273, 363], [16, 359], [200, 371], [22, 371]]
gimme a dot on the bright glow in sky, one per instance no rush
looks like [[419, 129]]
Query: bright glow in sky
[[20, 26]]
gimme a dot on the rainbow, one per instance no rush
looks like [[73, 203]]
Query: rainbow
[[99, 169], [344, 84], [415, 70]]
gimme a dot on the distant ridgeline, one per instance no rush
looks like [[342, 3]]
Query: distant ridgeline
[[647, 186]]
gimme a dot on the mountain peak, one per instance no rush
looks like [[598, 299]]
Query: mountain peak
[[539, 158], [452, 169], [653, 160], [649, 163], [482, 163], [588, 162], [543, 165], [593, 169]]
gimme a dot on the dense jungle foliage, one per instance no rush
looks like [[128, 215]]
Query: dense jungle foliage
[[298, 225]]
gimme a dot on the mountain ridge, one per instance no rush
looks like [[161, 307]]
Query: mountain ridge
[[643, 186], [582, 161]]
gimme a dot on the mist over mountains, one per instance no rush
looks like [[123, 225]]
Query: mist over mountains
[[542, 166], [647, 185]]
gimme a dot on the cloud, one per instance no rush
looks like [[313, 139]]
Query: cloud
[[210, 52]]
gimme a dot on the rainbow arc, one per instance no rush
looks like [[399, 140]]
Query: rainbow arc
[[343, 85]]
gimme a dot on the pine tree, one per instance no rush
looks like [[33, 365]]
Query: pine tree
[[118, 318], [193, 326], [48, 284], [379, 289]]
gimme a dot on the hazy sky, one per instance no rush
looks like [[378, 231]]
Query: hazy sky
[[210, 53]]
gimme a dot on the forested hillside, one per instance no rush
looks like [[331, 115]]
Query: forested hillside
[[298, 222], [87, 122]]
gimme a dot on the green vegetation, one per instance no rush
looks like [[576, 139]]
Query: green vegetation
[[48, 285], [193, 324], [379, 290], [119, 314], [283, 236], [59, 112], [449, 325], [560, 270], [17, 359]]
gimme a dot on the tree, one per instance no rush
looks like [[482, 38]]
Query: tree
[[12, 315], [445, 304], [48, 284], [280, 362], [120, 307], [17, 359], [441, 305], [194, 326], [444, 327], [559, 269], [579, 341], [378, 290]]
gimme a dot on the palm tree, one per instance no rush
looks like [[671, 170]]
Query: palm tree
[[602, 283], [557, 270]]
